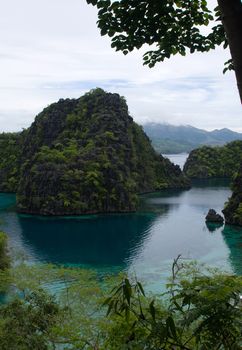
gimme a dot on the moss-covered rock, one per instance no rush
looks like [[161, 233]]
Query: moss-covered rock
[[88, 156], [208, 162], [233, 209], [213, 216]]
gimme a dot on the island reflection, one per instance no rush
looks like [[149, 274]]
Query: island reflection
[[113, 240]]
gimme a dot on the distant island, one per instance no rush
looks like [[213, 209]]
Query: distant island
[[169, 139], [207, 162], [82, 156]]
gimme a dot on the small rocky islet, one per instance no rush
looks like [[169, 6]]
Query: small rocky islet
[[224, 162], [213, 217], [83, 156]]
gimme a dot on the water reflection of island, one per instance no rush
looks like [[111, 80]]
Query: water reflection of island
[[161, 202], [7, 201], [112, 240], [232, 236], [213, 226]]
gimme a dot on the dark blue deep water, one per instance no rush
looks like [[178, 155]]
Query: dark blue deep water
[[167, 224]]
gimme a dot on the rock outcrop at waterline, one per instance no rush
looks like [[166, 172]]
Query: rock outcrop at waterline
[[233, 209], [87, 155], [213, 216]]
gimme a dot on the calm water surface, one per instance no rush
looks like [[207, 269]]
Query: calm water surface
[[168, 223], [178, 159]]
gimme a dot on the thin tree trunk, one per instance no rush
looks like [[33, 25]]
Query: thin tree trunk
[[232, 21]]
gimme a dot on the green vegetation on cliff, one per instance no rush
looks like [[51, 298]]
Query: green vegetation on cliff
[[4, 259], [233, 209], [10, 149], [87, 155], [207, 162]]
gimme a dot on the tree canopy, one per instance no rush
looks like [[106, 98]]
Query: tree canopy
[[209, 162], [173, 27]]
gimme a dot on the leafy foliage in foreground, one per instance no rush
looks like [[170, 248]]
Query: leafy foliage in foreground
[[25, 324], [208, 162], [174, 27], [201, 312], [198, 311]]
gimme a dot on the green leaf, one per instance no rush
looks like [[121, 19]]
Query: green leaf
[[93, 2], [171, 326], [127, 290], [110, 306], [152, 309], [141, 288]]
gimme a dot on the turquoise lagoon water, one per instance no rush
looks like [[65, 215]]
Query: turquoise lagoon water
[[168, 223]]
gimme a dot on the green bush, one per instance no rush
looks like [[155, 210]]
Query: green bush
[[202, 311], [198, 311]]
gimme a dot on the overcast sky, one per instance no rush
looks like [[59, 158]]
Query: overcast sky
[[52, 49]]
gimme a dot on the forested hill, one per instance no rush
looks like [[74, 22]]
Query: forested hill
[[10, 151], [168, 138], [207, 162], [233, 208], [87, 155]]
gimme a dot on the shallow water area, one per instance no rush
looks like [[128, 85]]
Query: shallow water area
[[168, 223]]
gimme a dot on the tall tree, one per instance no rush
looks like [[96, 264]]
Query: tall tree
[[232, 21], [173, 27]]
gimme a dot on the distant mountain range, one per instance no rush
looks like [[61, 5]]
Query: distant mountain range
[[169, 139]]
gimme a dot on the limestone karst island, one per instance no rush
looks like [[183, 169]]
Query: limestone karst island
[[121, 175], [84, 155]]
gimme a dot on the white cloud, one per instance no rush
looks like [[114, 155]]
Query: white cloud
[[53, 49]]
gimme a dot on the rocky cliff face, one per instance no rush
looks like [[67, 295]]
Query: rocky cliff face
[[208, 162], [87, 155], [10, 150], [233, 209]]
